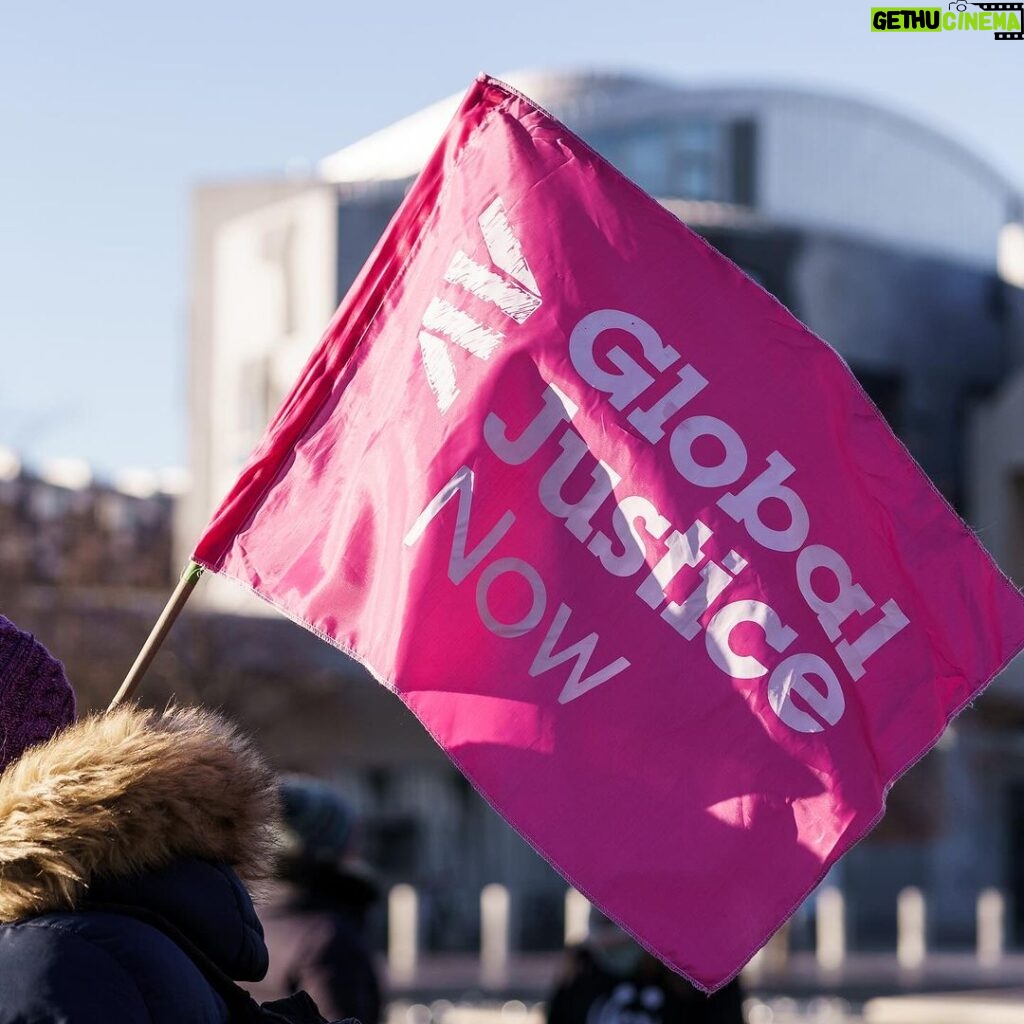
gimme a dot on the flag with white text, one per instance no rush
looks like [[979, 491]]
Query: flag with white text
[[627, 538]]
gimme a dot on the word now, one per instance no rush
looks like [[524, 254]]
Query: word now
[[462, 562]]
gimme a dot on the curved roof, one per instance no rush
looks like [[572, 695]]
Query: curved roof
[[824, 161], [401, 149], [591, 99]]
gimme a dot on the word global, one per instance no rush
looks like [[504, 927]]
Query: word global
[[1003, 17]]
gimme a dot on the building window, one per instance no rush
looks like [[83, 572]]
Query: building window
[[279, 251], [699, 158], [743, 162], [1016, 496], [886, 391], [254, 396]]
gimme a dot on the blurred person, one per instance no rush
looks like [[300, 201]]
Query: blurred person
[[124, 838], [611, 979], [315, 918]]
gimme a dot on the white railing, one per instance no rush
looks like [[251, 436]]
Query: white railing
[[830, 919], [991, 927], [577, 917], [403, 934], [911, 924], [494, 936], [831, 943]]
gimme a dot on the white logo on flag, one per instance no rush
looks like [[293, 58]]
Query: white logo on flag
[[514, 292]]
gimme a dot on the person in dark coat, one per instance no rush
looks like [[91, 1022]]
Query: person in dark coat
[[315, 919], [117, 833], [612, 980]]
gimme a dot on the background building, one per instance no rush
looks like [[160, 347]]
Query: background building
[[897, 245]]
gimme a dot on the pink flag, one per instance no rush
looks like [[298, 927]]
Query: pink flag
[[628, 539]]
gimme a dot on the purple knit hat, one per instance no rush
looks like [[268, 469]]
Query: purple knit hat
[[36, 699]]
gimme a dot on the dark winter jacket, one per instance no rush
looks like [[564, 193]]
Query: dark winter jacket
[[314, 923], [119, 818], [650, 994]]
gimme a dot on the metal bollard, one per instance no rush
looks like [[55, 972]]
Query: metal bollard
[[830, 916], [577, 917], [753, 972], [910, 928], [771, 959], [403, 934], [991, 927], [494, 936], [776, 951]]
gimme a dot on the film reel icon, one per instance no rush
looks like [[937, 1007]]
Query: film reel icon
[[1018, 7]]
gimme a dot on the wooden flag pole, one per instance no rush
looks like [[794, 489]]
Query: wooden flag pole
[[187, 583]]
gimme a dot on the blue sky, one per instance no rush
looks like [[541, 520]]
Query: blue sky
[[110, 112]]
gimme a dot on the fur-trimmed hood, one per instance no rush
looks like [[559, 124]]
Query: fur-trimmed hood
[[125, 792]]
